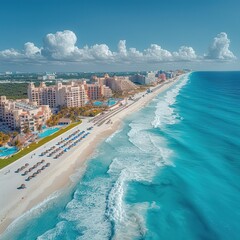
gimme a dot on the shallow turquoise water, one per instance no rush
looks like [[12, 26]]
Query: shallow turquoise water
[[171, 172]]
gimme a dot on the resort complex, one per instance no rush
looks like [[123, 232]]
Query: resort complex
[[119, 120], [23, 114], [43, 100], [59, 125], [70, 95]]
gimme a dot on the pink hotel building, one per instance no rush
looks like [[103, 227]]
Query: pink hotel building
[[74, 94]]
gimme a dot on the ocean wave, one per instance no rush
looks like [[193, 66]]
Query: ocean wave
[[109, 139], [134, 222], [57, 232], [86, 210], [165, 114], [34, 212]]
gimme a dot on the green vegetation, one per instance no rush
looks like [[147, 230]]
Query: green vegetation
[[4, 138], [73, 113], [16, 90], [33, 146]]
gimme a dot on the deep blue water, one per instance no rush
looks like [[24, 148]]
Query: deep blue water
[[172, 172]]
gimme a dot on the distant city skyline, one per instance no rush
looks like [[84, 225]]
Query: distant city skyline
[[119, 35]]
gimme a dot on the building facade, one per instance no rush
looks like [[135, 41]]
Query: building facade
[[73, 94], [106, 92], [22, 114], [116, 83], [94, 91]]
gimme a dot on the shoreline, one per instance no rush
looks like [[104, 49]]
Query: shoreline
[[58, 175]]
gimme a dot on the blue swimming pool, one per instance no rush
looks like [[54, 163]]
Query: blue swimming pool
[[112, 102], [47, 132], [4, 151], [98, 103], [109, 103]]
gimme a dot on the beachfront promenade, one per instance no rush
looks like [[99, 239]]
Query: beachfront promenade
[[56, 175]]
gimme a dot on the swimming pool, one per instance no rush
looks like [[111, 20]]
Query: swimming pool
[[98, 103], [109, 103], [47, 132], [112, 102], [4, 151]]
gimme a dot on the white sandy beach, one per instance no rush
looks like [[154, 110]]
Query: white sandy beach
[[15, 202]]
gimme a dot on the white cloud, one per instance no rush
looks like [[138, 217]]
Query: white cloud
[[122, 49], [100, 51], [31, 50], [10, 53], [185, 53], [156, 54], [219, 49], [60, 47]]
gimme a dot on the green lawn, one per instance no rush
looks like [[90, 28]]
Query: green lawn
[[33, 146]]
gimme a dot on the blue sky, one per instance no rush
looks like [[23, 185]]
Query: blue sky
[[52, 35]]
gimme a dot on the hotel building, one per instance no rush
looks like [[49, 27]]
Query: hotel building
[[19, 114], [69, 95], [96, 91], [117, 84]]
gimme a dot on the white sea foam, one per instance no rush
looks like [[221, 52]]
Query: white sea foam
[[164, 114], [139, 163], [115, 199], [54, 233], [75, 177], [134, 222], [34, 212], [86, 210], [109, 139], [98, 204]]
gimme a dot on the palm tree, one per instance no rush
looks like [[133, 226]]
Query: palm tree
[[18, 144], [39, 127], [26, 129]]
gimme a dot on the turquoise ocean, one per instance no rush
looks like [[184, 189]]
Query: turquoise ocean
[[172, 172]]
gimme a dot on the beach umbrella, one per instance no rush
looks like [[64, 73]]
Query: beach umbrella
[[26, 172]]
